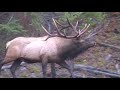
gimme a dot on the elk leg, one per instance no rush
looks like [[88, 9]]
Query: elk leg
[[53, 70], [44, 67], [5, 61], [14, 66], [68, 67]]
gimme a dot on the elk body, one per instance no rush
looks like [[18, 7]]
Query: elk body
[[23, 40], [15, 46], [55, 49]]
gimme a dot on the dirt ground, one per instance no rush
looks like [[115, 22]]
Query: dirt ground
[[100, 57]]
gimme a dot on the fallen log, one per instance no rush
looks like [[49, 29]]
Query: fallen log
[[91, 69]]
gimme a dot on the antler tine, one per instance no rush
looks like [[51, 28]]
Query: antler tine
[[76, 25], [46, 31], [80, 31], [83, 30], [63, 26], [54, 23], [74, 28], [58, 23], [56, 26], [93, 34], [58, 31]]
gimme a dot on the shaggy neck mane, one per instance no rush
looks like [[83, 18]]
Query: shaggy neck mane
[[76, 50]]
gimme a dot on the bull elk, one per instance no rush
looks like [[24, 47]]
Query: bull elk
[[54, 49]]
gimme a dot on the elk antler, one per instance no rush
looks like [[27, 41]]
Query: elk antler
[[83, 30], [63, 26], [48, 32], [74, 28], [58, 31], [97, 30], [79, 32]]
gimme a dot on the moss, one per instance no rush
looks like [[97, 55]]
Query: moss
[[34, 69], [96, 54], [101, 63], [79, 61], [24, 75], [113, 38], [108, 50]]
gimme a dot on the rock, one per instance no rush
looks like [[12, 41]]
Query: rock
[[23, 68], [33, 75]]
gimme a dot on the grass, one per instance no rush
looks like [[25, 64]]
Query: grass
[[115, 38], [34, 69]]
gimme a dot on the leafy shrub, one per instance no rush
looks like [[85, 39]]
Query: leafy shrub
[[35, 20], [86, 17], [11, 27]]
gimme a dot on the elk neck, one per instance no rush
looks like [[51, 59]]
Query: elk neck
[[74, 48]]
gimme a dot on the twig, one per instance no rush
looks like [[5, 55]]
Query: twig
[[11, 17], [108, 45]]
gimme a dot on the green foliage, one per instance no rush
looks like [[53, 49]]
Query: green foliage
[[11, 27], [86, 17], [71, 16], [34, 69], [35, 20]]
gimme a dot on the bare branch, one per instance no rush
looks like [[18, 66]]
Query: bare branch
[[49, 27], [11, 17]]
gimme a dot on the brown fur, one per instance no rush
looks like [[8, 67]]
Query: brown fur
[[15, 46]]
